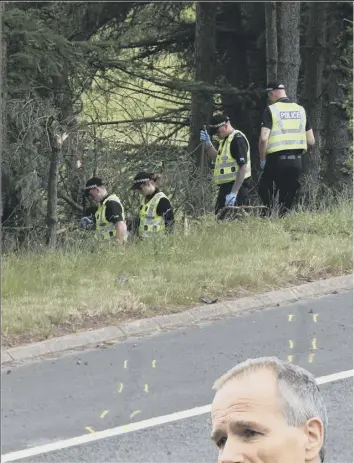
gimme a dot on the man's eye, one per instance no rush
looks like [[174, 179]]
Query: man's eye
[[250, 433], [221, 442]]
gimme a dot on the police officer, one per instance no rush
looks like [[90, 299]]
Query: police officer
[[285, 135], [232, 162], [156, 213], [109, 217]]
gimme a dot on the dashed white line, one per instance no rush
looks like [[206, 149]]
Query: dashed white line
[[131, 427]]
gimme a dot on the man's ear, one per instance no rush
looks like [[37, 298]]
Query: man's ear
[[314, 431]]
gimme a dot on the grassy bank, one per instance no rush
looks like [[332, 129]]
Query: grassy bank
[[46, 294]]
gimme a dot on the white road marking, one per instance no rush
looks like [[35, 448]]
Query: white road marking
[[131, 427], [335, 377]]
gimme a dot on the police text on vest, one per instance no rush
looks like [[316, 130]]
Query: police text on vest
[[290, 115]]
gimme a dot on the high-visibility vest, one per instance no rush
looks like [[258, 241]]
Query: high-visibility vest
[[104, 228], [150, 223], [226, 166], [288, 127]]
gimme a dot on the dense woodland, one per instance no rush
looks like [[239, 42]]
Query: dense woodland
[[132, 83]]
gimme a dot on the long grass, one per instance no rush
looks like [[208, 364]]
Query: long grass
[[92, 281]]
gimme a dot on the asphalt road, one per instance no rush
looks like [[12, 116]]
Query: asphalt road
[[137, 380]]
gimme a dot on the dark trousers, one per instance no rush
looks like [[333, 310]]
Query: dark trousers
[[281, 173], [225, 189]]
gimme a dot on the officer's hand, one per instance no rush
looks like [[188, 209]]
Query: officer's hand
[[262, 164], [204, 137], [230, 199]]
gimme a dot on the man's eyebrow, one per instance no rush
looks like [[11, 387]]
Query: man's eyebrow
[[247, 424], [215, 434], [237, 425]]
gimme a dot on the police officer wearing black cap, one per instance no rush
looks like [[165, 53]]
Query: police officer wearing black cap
[[285, 135], [109, 217], [156, 213], [232, 162]]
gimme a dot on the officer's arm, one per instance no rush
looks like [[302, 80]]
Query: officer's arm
[[266, 127], [114, 214], [211, 151], [238, 150], [164, 209], [121, 231], [263, 143], [309, 133], [240, 176], [310, 138]]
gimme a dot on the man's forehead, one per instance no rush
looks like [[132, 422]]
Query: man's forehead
[[259, 385]]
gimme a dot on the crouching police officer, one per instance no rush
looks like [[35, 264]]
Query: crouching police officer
[[285, 136], [156, 213], [232, 162], [109, 216]]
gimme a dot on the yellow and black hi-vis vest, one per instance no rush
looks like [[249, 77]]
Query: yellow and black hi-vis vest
[[150, 223], [105, 229], [288, 127], [226, 167]]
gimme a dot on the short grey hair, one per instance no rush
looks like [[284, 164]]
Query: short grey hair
[[299, 393]]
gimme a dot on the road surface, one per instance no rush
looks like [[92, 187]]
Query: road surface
[[79, 395]]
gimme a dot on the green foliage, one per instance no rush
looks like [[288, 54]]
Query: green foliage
[[131, 63], [34, 53], [42, 290]]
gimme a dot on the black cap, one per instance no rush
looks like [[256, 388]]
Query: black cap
[[141, 178], [217, 121], [274, 86], [93, 182]]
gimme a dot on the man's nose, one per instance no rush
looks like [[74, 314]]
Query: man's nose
[[231, 454], [234, 459]]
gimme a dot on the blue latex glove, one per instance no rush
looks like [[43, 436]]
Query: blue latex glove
[[204, 137], [262, 164], [230, 199]]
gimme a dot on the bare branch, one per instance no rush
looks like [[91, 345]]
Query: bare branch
[[135, 87], [176, 84], [70, 201], [140, 121]]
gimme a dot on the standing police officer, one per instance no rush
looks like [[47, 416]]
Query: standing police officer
[[109, 216], [232, 162], [285, 135]]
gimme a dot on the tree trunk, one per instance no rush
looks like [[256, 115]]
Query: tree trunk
[[271, 40], [241, 48], [56, 142], [202, 102], [314, 66], [339, 139], [2, 99], [288, 45], [64, 119], [52, 199]]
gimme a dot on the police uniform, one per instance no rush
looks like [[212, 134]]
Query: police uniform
[[109, 212], [156, 213], [288, 123], [233, 153]]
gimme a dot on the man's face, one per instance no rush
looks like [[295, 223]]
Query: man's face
[[222, 131], [95, 194], [147, 189], [274, 96], [249, 426]]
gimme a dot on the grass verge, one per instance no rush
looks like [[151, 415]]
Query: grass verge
[[46, 294]]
